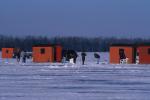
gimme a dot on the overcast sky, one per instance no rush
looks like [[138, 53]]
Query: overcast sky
[[123, 18]]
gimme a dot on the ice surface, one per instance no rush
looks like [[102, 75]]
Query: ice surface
[[32, 81]]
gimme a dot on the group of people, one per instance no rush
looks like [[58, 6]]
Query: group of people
[[71, 56], [18, 54], [96, 55], [68, 55]]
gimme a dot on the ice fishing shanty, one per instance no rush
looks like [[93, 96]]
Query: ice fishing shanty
[[10, 52], [121, 53], [143, 54], [7, 52], [130, 54], [47, 53]]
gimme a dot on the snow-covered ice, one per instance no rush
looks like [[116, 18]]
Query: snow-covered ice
[[32, 81]]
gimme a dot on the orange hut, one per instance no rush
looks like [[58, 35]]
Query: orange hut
[[47, 53], [43, 53], [7, 52], [143, 54], [120, 53]]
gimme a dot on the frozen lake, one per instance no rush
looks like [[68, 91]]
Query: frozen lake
[[92, 81]]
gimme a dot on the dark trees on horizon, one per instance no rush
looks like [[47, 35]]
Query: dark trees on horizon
[[99, 44]]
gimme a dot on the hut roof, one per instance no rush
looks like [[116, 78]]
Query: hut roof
[[126, 45], [45, 45], [132, 45], [8, 47]]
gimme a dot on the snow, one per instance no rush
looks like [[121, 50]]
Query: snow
[[47, 81]]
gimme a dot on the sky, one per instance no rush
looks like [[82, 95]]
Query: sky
[[87, 18]]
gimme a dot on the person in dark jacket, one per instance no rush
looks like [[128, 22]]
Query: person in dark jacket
[[18, 55], [83, 54], [75, 55], [24, 56], [69, 54], [122, 55], [97, 56]]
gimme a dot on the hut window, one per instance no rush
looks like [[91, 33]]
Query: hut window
[[42, 51], [149, 51], [7, 51]]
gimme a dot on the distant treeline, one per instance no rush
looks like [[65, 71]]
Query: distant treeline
[[76, 43]]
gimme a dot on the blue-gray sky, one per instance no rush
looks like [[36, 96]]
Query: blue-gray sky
[[123, 18]]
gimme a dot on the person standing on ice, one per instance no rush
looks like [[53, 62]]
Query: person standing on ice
[[24, 56], [18, 54], [75, 55], [83, 54], [97, 56], [63, 59]]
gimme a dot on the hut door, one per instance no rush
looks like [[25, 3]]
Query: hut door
[[122, 54], [148, 51], [55, 54], [137, 57]]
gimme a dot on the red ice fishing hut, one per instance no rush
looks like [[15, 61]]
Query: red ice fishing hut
[[47, 53], [7, 52], [143, 54], [122, 52]]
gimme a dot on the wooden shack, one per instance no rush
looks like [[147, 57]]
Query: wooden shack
[[143, 54], [120, 52], [47, 53], [7, 52]]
